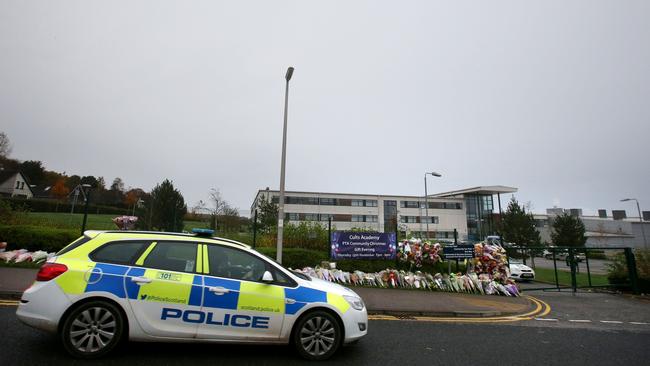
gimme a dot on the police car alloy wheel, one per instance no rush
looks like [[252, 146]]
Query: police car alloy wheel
[[92, 330], [317, 336]]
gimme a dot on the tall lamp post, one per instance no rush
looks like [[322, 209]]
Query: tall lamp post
[[287, 77], [426, 197], [86, 190], [645, 241]]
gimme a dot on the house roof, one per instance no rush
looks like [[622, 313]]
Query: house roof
[[6, 174]]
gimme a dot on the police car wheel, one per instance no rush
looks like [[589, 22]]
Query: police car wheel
[[92, 330], [317, 336]]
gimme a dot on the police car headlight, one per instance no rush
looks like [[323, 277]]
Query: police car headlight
[[355, 302]]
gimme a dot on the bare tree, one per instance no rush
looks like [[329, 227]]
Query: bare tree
[[5, 145], [218, 206]]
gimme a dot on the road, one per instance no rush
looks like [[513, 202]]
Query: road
[[596, 266], [532, 342]]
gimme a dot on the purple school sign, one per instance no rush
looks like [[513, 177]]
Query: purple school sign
[[357, 245]]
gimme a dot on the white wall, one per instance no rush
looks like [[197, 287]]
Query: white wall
[[449, 219]]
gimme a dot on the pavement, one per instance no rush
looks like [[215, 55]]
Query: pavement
[[13, 281]]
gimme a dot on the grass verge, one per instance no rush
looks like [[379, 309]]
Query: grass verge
[[547, 275]]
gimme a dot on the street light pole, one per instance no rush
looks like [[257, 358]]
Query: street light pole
[[287, 77], [645, 241], [86, 188], [426, 198]]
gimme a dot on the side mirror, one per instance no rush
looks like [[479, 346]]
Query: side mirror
[[267, 277]]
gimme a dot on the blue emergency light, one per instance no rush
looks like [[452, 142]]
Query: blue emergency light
[[202, 232]]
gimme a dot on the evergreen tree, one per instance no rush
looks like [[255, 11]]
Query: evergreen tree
[[267, 216], [34, 171], [518, 227], [568, 231], [164, 210]]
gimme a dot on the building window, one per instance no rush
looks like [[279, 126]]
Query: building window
[[17, 185], [364, 203], [409, 219], [371, 218], [430, 219], [328, 201], [357, 218], [293, 217], [325, 217], [409, 204], [311, 217]]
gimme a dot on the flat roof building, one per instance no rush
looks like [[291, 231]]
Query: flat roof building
[[468, 211]]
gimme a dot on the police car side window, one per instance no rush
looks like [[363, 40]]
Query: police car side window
[[119, 252], [172, 256], [232, 263]]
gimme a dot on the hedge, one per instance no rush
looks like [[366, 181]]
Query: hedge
[[35, 238], [50, 205]]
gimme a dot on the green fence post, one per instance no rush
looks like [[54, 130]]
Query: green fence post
[[572, 263], [255, 229], [631, 270], [587, 263], [557, 282]]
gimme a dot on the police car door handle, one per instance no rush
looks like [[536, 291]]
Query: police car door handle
[[218, 290], [141, 280], [289, 301]]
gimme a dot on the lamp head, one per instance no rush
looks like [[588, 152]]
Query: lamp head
[[289, 73]]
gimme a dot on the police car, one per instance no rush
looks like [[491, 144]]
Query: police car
[[109, 286]]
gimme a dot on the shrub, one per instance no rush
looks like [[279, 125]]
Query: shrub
[[596, 254], [35, 238], [307, 234], [296, 257], [618, 273], [51, 205]]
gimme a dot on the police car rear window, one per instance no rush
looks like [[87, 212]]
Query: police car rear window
[[119, 252], [173, 256], [75, 244]]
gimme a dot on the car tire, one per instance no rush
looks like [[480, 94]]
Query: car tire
[[92, 329], [317, 336]]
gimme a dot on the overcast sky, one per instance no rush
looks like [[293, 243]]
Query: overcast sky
[[551, 97]]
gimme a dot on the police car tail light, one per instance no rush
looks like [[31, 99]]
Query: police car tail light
[[50, 271]]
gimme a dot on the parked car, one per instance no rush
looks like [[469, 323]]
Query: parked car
[[520, 272], [562, 255]]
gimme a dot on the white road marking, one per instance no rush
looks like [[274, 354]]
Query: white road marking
[[580, 320], [639, 323], [547, 319], [611, 321]]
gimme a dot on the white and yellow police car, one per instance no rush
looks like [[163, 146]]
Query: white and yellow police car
[[109, 286]]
